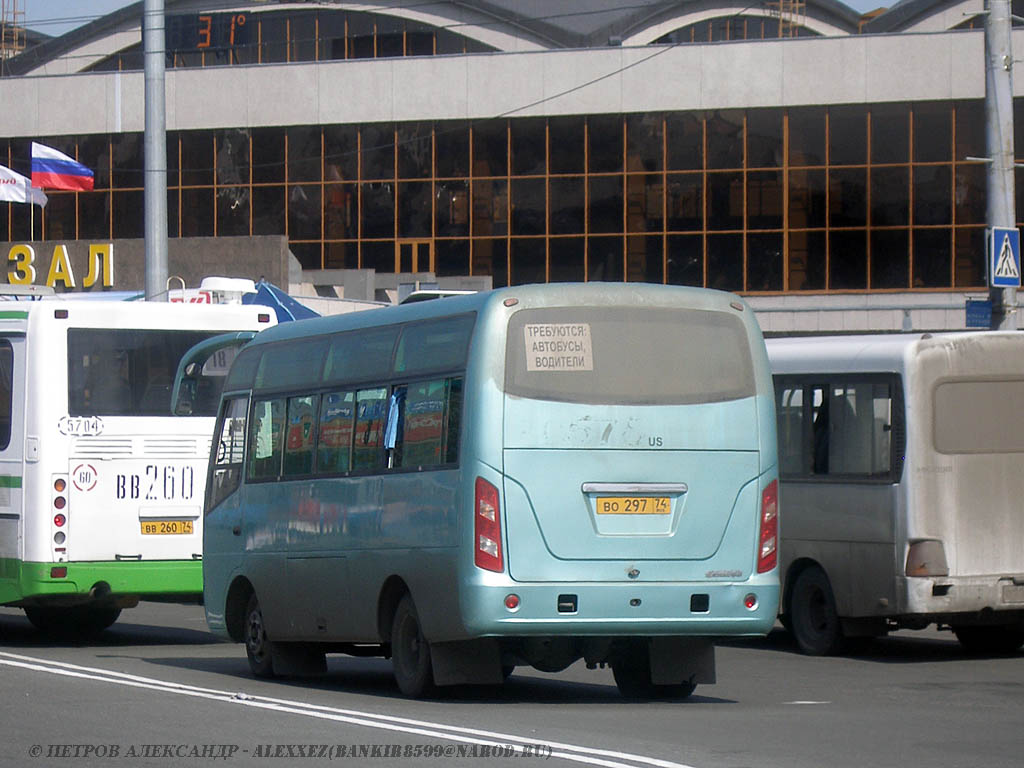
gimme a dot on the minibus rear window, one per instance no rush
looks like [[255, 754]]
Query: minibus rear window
[[628, 355]]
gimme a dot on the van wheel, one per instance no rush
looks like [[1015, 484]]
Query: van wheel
[[812, 614], [631, 668], [258, 647], [410, 652], [1005, 638]]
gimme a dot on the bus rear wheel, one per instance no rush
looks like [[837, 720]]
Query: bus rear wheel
[[258, 647], [75, 620], [1006, 638], [410, 652], [631, 668], [813, 617]]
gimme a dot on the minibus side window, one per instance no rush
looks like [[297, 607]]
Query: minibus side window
[[266, 439], [371, 408], [227, 461], [422, 425], [840, 429], [337, 422], [301, 431]]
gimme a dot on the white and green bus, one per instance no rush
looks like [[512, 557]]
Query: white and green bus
[[527, 476], [100, 486]]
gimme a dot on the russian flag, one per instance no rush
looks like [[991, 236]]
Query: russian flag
[[55, 170]]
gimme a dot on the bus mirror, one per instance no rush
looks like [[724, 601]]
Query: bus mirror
[[186, 396]]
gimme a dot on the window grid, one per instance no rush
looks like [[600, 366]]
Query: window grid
[[804, 203]]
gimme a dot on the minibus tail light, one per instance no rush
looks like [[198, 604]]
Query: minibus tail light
[[926, 557], [768, 540], [487, 527]]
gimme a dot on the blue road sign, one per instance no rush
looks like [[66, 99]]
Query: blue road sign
[[1004, 257], [979, 313]]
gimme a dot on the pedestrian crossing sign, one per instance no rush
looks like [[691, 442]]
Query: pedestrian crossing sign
[[1004, 257]]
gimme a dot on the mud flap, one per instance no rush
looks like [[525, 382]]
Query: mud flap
[[467, 662], [676, 660]]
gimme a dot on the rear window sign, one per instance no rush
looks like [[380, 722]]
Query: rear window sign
[[558, 347]]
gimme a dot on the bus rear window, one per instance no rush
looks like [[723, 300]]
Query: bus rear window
[[629, 356], [979, 417], [122, 372]]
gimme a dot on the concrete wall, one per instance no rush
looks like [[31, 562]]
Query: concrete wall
[[762, 73], [852, 313]]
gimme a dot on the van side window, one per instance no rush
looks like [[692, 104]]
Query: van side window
[[360, 355], [371, 408], [337, 425], [842, 428], [227, 463], [435, 345], [6, 392], [301, 432], [422, 425], [266, 439]]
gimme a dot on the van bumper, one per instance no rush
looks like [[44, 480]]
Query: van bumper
[[622, 610]]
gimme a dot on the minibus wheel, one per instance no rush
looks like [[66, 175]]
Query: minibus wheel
[[812, 612], [631, 668], [258, 647], [410, 652]]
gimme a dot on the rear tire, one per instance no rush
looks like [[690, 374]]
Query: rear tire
[[631, 669], [812, 613], [259, 649], [999, 639], [410, 652], [74, 620]]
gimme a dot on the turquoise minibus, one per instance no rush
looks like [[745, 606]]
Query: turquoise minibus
[[526, 476]]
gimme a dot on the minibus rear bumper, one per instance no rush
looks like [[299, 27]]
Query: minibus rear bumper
[[946, 597], [746, 608]]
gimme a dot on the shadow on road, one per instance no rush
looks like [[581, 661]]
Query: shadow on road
[[904, 647], [373, 677], [17, 632]]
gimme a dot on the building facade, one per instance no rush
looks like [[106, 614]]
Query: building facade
[[797, 153]]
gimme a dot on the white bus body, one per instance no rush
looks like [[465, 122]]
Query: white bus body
[[101, 488], [901, 486]]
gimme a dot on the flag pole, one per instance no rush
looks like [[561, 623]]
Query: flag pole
[[32, 212]]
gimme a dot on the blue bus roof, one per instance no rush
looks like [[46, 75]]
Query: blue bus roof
[[549, 294]]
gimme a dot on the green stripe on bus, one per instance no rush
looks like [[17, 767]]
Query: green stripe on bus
[[168, 579], [13, 315], [10, 481]]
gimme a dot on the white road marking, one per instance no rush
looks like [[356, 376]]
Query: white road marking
[[806, 702], [572, 752]]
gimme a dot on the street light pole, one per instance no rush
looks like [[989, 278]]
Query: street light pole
[[155, 190], [1001, 208]]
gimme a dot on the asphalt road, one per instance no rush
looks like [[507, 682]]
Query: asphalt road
[[157, 689]]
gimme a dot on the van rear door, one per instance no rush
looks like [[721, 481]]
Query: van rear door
[[629, 438]]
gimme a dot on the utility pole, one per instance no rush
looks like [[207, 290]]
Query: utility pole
[[1001, 208], [155, 190]]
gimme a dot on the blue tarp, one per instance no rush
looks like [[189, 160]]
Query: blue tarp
[[284, 305]]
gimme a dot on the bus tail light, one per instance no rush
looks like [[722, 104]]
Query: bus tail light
[[768, 540], [487, 528], [926, 557]]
